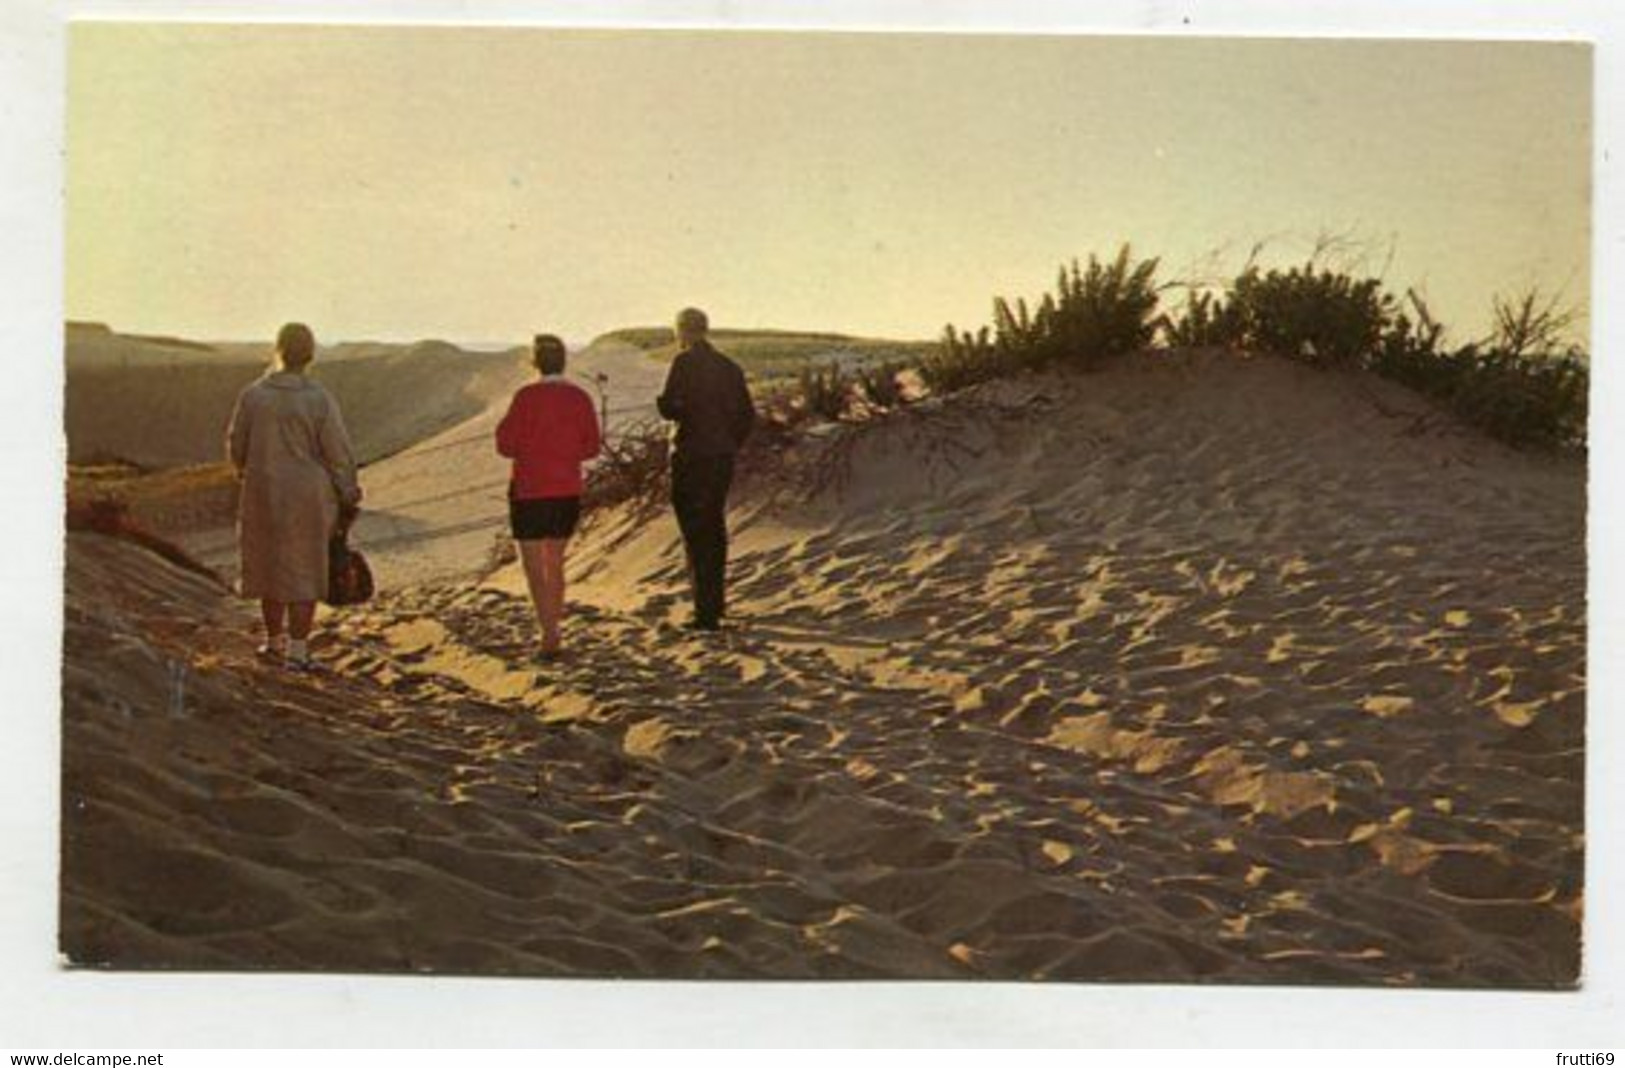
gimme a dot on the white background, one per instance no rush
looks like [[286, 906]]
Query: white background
[[45, 1007]]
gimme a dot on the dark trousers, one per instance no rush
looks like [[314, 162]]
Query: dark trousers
[[699, 496]]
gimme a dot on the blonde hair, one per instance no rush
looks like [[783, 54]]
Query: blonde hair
[[295, 346]]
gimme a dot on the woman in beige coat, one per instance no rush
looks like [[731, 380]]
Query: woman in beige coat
[[298, 473]]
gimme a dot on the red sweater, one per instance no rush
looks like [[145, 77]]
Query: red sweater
[[550, 430]]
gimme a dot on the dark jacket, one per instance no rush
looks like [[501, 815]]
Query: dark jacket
[[707, 397]]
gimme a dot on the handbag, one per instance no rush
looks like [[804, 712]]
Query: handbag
[[349, 577]]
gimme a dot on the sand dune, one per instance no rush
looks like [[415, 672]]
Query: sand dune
[[435, 511], [423, 419], [1198, 668], [164, 402]]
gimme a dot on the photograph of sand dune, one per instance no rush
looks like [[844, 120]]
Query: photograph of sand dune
[[679, 504]]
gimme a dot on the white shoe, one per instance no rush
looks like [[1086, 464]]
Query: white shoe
[[298, 657]]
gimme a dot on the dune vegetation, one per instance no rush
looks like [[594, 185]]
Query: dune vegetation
[[776, 354], [164, 502], [1526, 383]]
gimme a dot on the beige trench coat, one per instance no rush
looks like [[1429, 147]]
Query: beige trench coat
[[288, 443]]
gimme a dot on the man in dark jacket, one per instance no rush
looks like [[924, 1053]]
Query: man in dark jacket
[[707, 398]]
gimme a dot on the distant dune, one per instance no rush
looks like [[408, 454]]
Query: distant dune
[[162, 402], [91, 340], [769, 353], [422, 416], [1197, 668], [97, 346]]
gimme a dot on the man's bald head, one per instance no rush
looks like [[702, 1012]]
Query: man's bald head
[[692, 326]]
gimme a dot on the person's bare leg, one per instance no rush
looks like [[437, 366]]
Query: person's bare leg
[[301, 616], [531, 555], [272, 614], [551, 605]]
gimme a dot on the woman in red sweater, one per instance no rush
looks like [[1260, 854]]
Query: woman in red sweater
[[550, 430]]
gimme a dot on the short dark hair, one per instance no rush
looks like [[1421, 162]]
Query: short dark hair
[[548, 353], [295, 346]]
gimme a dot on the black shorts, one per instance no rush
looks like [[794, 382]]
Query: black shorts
[[544, 517]]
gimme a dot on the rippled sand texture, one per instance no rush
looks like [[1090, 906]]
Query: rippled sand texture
[[1196, 669]]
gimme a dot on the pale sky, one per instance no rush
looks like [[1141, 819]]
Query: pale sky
[[484, 184]]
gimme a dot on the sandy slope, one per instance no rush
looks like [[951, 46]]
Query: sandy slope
[[165, 404], [435, 511], [1197, 668], [422, 418]]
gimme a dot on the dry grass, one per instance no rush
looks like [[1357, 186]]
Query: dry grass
[[632, 469], [111, 516], [168, 501], [768, 354]]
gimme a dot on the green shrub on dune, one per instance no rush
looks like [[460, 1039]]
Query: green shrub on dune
[[1525, 400], [1521, 384], [1324, 317], [1106, 310], [1320, 316], [1518, 385], [962, 359], [882, 386], [1409, 350], [1207, 321], [1096, 312]]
